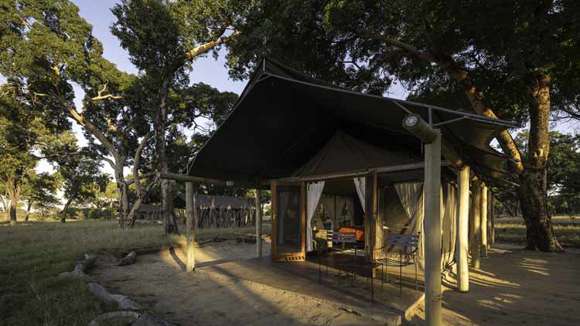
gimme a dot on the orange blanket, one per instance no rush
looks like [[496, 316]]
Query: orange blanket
[[359, 232]]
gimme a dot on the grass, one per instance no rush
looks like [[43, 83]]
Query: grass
[[513, 229], [33, 254]]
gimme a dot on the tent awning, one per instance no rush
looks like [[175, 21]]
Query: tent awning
[[283, 121]]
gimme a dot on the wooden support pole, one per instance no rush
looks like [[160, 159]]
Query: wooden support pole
[[432, 222], [462, 248], [491, 219], [474, 243], [190, 203], [274, 218], [432, 226], [484, 220], [258, 223], [378, 250]]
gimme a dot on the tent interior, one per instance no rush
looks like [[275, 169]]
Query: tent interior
[[338, 205]]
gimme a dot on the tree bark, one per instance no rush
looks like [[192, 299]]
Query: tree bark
[[160, 146], [28, 207], [13, 190], [122, 194], [137, 180], [64, 211], [532, 193], [12, 212]]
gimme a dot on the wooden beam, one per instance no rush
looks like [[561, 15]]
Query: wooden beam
[[189, 178], [190, 207], [359, 173]]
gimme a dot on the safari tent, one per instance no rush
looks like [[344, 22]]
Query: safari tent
[[375, 164]]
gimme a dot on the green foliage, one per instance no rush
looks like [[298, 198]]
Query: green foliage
[[563, 173], [40, 191], [82, 177], [500, 43]]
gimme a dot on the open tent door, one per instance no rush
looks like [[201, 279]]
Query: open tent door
[[288, 221]]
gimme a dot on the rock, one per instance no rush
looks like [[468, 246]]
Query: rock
[[150, 320], [131, 258], [122, 301]]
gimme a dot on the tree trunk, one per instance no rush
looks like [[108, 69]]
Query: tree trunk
[[131, 218], [12, 209], [532, 198], [160, 147], [13, 190], [122, 194], [532, 193], [28, 207], [64, 211]]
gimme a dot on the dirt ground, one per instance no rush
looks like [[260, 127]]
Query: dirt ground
[[517, 287], [208, 298], [513, 287]]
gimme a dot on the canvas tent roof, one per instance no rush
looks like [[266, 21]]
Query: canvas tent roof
[[284, 121]]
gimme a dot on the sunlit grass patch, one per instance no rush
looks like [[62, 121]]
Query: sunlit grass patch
[[33, 254], [513, 229]]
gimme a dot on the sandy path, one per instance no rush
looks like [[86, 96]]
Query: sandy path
[[206, 298], [513, 287], [518, 287]]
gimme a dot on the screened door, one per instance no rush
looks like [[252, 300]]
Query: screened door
[[288, 229]]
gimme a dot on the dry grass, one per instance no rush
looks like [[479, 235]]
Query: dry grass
[[33, 254], [513, 229]]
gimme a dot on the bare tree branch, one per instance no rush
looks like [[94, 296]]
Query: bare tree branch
[[206, 47], [101, 96]]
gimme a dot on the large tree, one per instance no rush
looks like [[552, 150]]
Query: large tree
[[48, 48], [163, 38], [513, 59], [27, 135]]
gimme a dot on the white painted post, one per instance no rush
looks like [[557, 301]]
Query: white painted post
[[258, 223], [432, 226], [462, 248], [483, 220], [475, 225], [190, 203]]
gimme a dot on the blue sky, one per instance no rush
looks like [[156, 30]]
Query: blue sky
[[98, 14]]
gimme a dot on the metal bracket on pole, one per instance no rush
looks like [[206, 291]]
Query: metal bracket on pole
[[421, 129]]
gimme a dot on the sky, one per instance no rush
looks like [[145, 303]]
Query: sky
[[206, 69], [98, 14]]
